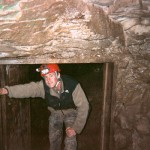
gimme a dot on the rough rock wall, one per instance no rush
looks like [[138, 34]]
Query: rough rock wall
[[34, 30], [132, 114], [66, 31]]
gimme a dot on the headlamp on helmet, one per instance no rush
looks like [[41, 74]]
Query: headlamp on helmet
[[48, 68]]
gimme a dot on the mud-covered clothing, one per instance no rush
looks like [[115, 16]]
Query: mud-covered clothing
[[36, 89], [71, 108], [56, 122]]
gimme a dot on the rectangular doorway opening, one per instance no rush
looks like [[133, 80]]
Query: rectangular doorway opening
[[96, 80]]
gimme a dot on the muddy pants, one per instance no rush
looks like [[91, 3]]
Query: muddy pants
[[56, 121]]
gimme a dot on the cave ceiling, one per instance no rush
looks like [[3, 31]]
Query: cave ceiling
[[33, 30]]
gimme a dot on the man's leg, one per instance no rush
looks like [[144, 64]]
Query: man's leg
[[55, 131], [70, 142]]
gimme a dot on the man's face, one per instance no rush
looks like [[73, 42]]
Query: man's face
[[50, 79]]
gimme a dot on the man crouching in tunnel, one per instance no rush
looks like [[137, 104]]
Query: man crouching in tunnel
[[65, 99]]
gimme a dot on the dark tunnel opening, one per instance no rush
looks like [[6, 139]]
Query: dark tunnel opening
[[25, 121], [90, 77]]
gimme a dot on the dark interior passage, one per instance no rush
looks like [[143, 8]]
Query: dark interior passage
[[25, 120], [91, 77]]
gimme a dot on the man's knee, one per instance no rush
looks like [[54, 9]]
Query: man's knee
[[57, 134]]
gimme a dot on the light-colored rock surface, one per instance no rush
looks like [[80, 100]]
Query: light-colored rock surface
[[63, 31]]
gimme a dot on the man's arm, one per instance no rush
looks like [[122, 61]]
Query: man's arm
[[32, 89], [82, 105]]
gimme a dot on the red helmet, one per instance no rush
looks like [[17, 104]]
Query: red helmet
[[48, 68]]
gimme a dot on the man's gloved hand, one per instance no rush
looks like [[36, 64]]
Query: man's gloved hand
[[3, 91], [70, 132]]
